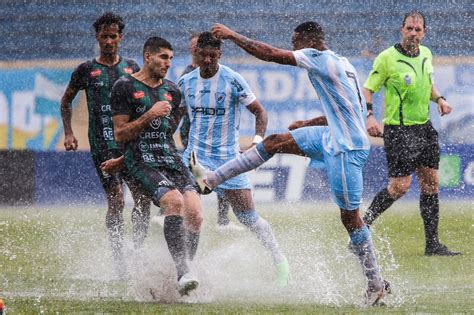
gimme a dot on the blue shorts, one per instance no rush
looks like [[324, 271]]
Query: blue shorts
[[344, 170], [238, 182]]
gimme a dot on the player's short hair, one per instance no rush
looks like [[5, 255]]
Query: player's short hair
[[311, 30], [206, 39], [155, 43], [414, 14], [108, 19]]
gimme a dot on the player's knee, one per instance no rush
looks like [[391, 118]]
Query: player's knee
[[399, 189], [173, 203], [247, 218]]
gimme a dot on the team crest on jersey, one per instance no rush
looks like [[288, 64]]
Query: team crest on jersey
[[167, 97], [96, 73], [128, 70], [220, 97], [189, 93], [138, 95], [155, 123]]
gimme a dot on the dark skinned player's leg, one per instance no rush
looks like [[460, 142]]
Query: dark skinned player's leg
[[114, 224]]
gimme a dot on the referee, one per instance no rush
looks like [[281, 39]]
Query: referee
[[410, 141]]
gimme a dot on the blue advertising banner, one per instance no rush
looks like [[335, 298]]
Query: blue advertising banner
[[30, 100]]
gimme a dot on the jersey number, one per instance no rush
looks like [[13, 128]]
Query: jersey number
[[352, 76]]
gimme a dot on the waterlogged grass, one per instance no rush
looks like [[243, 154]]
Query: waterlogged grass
[[57, 260]]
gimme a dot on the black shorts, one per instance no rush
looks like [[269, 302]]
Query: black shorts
[[410, 147], [156, 182], [107, 180]]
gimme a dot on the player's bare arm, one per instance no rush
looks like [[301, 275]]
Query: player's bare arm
[[113, 165], [255, 48], [261, 117], [316, 121], [70, 141], [374, 129], [444, 108], [126, 130]]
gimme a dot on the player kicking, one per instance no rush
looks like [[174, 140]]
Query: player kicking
[[342, 146], [214, 95]]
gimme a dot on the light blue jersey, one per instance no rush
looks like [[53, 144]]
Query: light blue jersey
[[337, 85], [214, 107]]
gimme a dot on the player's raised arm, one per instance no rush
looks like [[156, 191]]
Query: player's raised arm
[[255, 48], [261, 120]]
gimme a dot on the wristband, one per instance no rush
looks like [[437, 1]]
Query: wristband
[[370, 114], [369, 106], [257, 139], [440, 97]]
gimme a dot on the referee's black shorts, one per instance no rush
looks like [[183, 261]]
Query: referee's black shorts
[[410, 147]]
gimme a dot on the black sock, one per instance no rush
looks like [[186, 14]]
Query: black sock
[[429, 208], [223, 207], [381, 202], [140, 222], [192, 242], [175, 238]]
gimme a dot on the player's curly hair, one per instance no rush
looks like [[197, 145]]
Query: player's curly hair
[[311, 30], [108, 19], [206, 39]]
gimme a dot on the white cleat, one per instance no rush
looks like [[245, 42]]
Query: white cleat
[[199, 173], [187, 283]]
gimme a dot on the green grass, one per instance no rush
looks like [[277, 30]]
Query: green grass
[[57, 260]]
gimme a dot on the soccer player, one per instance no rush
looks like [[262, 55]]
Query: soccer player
[[410, 141], [342, 146], [145, 109], [214, 95], [97, 77]]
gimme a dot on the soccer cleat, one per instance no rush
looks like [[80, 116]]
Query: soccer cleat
[[439, 250], [387, 287], [283, 273], [186, 284], [199, 173], [375, 297]]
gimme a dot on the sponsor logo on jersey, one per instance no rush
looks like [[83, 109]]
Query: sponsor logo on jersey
[[105, 120], [209, 111], [143, 146], [155, 123], [138, 95], [99, 83], [96, 73], [148, 158], [220, 97], [153, 135], [105, 108], [168, 97], [205, 91], [128, 70], [140, 109], [108, 134]]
